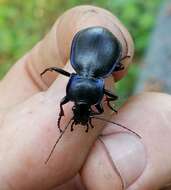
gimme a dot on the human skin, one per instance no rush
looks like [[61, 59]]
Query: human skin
[[106, 157]]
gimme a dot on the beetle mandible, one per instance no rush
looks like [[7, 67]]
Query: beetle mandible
[[95, 54]]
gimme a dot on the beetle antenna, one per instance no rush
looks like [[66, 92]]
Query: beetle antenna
[[53, 148], [103, 119]]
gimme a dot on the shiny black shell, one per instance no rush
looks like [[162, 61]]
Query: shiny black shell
[[95, 52]]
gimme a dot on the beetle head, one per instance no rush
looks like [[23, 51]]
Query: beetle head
[[81, 113]]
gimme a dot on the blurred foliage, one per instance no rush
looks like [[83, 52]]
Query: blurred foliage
[[23, 23]]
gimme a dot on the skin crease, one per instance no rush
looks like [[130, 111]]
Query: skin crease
[[28, 119]]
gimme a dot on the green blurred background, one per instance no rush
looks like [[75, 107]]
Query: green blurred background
[[23, 23]]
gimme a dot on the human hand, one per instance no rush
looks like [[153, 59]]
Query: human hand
[[29, 130]]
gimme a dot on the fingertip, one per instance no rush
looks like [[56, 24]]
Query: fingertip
[[87, 16], [98, 172], [117, 160]]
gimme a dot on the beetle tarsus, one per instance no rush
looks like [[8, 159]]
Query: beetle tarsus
[[87, 128], [90, 122], [59, 122], [60, 130], [108, 104], [72, 126], [125, 57], [110, 97], [56, 69], [120, 66], [110, 94], [99, 108], [61, 113]]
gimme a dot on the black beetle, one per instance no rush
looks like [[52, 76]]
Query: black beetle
[[95, 54]]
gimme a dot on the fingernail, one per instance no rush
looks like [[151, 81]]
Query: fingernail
[[128, 155]]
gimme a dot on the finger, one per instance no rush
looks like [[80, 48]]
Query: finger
[[54, 50], [28, 133], [121, 160]]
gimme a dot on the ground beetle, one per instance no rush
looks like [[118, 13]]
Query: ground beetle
[[95, 54]]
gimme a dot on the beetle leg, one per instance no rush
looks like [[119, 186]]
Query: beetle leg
[[99, 109], [110, 97], [61, 113], [108, 104], [125, 57], [110, 94], [90, 122], [56, 69], [120, 66], [72, 125], [87, 128]]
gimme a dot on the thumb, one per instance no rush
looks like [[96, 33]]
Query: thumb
[[123, 161], [116, 161]]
